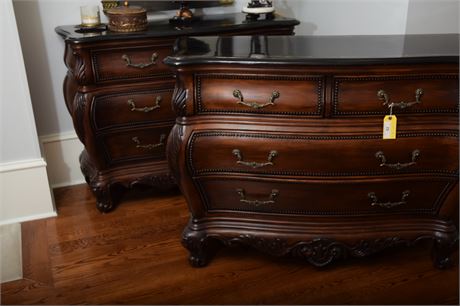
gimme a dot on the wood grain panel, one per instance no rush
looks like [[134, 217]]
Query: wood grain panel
[[312, 155], [111, 64], [135, 144], [317, 197], [297, 94], [357, 95], [131, 108]]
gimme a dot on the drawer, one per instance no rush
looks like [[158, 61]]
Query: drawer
[[331, 197], [322, 155], [135, 144], [132, 108], [371, 95], [261, 94], [130, 63]]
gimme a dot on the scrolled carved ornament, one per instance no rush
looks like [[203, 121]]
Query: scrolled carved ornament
[[79, 70], [78, 116], [173, 148], [318, 252], [179, 99]]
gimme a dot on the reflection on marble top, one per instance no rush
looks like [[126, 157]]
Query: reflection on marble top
[[206, 25], [316, 49]]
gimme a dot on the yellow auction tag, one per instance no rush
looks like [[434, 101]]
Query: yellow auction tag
[[389, 127]]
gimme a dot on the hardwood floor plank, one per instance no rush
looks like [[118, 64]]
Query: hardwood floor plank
[[35, 263], [134, 256], [25, 292]]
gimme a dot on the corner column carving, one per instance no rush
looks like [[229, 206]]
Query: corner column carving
[[79, 69], [173, 147], [179, 99], [79, 108]]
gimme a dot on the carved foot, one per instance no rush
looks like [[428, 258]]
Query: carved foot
[[198, 259], [200, 247], [442, 252], [102, 191], [106, 197]]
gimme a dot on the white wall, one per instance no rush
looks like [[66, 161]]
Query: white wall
[[24, 189], [21, 163], [43, 48], [17, 125], [346, 17], [428, 16], [372, 17]]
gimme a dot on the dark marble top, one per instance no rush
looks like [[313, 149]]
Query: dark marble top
[[206, 25], [316, 50]]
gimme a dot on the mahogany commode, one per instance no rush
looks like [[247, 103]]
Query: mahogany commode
[[118, 92], [278, 144]]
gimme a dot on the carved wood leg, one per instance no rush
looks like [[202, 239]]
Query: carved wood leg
[[200, 247], [104, 191], [104, 198], [442, 252]]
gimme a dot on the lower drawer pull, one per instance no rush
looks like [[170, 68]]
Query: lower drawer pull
[[271, 198], [397, 166], [382, 95], [271, 101], [150, 146], [375, 201], [153, 60], [254, 164], [145, 109]]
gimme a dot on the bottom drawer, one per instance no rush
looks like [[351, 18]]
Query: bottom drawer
[[331, 197], [132, 145]]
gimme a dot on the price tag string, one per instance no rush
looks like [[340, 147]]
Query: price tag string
[[389, 125]]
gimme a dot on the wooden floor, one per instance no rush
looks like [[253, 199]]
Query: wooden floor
[[134, 256]]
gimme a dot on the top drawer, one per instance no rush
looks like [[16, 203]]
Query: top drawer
[[130, 63], [297, 95], [371, 95]]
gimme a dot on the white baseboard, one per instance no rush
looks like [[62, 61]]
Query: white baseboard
[[10, 252], [25, 194], [61, 153]]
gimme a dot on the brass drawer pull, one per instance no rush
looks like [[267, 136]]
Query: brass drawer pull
[[382, 95], [153, 59], [254, 164], [145, 109], [150, 146], [271, 198], [397, 166], [271, 101], [375, 201]]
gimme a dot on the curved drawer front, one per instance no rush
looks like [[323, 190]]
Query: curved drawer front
[[131, 108], [261, 94], [322, 155], [135, 145], [345, 197], [371, 95], [130, 63]]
